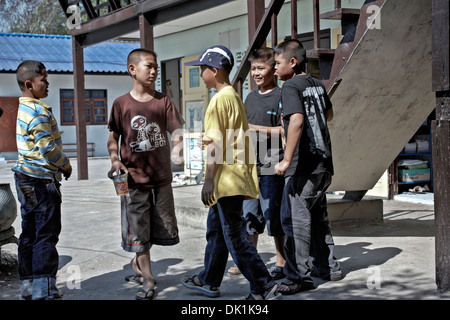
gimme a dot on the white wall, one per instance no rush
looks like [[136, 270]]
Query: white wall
[[9, 86]]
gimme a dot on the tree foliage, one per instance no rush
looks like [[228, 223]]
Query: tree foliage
[[32, 16]]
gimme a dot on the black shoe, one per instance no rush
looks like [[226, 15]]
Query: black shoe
[[288, 288], [270, 293]]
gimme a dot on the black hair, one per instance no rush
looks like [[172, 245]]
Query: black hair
[[293, 48], [264, 54], [134, 57], [28, 70]]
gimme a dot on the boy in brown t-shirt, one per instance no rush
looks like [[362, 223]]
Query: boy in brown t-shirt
[[141, 119]]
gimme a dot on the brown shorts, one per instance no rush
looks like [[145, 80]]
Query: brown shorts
[[148, 217]]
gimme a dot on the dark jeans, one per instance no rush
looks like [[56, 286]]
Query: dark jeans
[[41, 225], [225, 234], [305, 222], [266, 209]]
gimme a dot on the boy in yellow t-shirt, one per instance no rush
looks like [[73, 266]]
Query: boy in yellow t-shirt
[[230, 176]]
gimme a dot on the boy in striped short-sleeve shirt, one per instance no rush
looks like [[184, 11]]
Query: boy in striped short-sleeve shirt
[[38, 171]]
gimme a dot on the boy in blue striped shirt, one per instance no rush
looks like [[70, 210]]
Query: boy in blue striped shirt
[[38, 171]]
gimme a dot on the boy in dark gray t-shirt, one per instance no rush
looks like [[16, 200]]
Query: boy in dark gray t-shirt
[[308, 168]]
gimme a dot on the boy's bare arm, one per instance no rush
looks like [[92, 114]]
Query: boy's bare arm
[[295, 130], [329, 114], [270, 131], [113, 149], [210, 171]]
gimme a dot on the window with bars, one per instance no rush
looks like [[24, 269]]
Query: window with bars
[[95, 105]]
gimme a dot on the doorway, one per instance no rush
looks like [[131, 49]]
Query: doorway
[[195, 100], [170, 81], [8, 121]]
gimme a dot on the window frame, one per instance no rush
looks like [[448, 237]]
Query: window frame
[[90, 105]]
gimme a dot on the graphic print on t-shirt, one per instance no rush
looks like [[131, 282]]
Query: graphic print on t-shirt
[[149, 136]]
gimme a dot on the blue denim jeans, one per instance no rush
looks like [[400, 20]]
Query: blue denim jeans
[[40, 202], [225, 234], [305, 222], [266, 210]]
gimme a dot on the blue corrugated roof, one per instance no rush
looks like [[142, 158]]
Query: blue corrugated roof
[[55, 52]]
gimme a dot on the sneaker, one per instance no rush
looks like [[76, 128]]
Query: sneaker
[[332, 276], [336, 275], [290, 287]]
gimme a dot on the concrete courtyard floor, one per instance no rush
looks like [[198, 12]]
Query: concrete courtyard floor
[[391, 260]]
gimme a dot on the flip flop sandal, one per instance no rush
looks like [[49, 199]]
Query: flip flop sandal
[[189, 282], [144, 294], [134, 278], [289, 287], [276, 272]]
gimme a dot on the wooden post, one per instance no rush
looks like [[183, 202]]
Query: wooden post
[[146, 33], [337, 4], [80, 110], [294, 28], [274, 32], [255, 9], [441, 140], [316, 23]]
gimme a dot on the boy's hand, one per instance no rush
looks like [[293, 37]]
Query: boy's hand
[[204, 143], [208, 192], [177, 160], [280, 168], [176, 157], [67, 173], [117, 166]]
